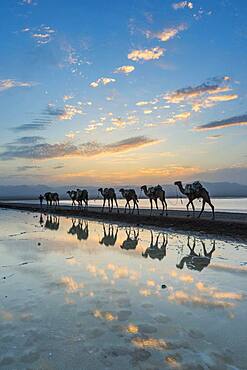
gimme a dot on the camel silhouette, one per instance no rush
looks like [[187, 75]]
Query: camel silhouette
[[130, 195], [51, 198], [82, 230], [154, 251], [195, 261], [154, 193], [201, 192], [73, 196], [130, 242], [109, 195], [52, 222], [82, 196], [110, 236]]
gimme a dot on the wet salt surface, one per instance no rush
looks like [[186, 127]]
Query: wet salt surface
[[88, 295]]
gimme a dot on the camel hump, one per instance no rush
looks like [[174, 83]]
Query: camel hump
[[158, 187], [195, 187]]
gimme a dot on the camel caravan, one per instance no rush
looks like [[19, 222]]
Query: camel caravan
[[155, 194]]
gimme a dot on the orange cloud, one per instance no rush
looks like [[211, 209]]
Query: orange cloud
[[146, 54]]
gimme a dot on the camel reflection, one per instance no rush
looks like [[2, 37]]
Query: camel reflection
[[41, 220], [110, 235], [155, 251], [80, 229], [132, 239], [196, 261], [52, 222]]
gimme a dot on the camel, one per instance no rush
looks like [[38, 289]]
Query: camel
[[154, 251], [195, 261], [130, 195], [52, 223], [110, 195], [82, 232], [73, 195], [82, 196], [154, 193], [201, 192], [51, 198], [72, 229], [131, 241], [110, 237]]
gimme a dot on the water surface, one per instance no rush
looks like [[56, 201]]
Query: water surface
[[221, 204], [78, 294]]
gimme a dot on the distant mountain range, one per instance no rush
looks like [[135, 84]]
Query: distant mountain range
[[216, 189]]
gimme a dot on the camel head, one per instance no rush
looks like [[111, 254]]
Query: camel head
[[121, 190], [100, 190], [178, 183], [144, 187]]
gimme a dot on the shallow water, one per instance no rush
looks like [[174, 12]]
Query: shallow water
[[87, 295], [221, 204]]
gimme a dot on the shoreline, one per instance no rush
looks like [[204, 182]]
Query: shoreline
[[226, 224]]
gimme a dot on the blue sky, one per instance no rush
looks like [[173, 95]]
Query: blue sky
[[117, 92]]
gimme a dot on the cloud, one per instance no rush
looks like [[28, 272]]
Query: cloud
[[211, 86], [10, 84], [229, 268], [181, 116], [29, 140], [182, 5], [27, 168], [170, 171], [63, 114], [67, 97], [214, 137], [205, 95], [167, 33], [125, 69], [67, 149], [146, 54], [143, 103], [228, 122], [43, 34], [29, 127], [102, 81], [219, 98], [122, 123], [28, 2]]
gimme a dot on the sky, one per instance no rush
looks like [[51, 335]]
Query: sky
[[110, 92]]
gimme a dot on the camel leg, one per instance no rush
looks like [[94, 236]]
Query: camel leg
[[163, 207], [116, 204], [212, 207], [212, 250], [193, 207], [134, 206], [166, 207], [151, 205], [110, 205], [103, 205], [203, 206], [137, 207], [156, 203], [187, 206]]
